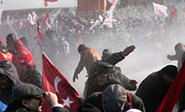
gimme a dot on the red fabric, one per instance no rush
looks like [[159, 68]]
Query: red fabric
[[1, 42], [22, 56], [8, 56], [173, 93], [55, 81], [45, 18], [39, 30], [173, 14], [45, 4]]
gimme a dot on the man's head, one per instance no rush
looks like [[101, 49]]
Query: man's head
[[114, 97], [169, 72], [179, 47], [29, 95], [104, 71], [81, 48], [8, 74], [106, 53], [10, 39]]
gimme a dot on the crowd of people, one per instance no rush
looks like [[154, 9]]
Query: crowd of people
[[107, 88]]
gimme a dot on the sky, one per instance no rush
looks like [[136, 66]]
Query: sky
[[27, 4]]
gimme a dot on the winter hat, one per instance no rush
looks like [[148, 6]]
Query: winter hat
[[86, 107], [170, 70], [106, 53], [26, 91], [114, 96], [105, 69], [133, 110]]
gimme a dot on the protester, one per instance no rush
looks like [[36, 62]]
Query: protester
[[108, 74], [87, 57], [10, 39], [114, 99], [179, 50], [8, 79], [112, 59], [4, 54], [28, 98], [24, 63], [154, 87], [25, 42]]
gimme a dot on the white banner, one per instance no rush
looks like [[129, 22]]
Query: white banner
[[108, 19], [160, 9]]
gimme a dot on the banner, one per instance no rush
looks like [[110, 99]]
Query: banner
[[108, 19]]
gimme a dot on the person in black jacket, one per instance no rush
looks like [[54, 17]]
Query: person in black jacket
[[8, 79], [115, 99], [110, 58], [154, 87], [28, 98], [179, 50]]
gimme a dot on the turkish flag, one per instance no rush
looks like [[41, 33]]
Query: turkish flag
[[39, 30], [172, 95], [55, 82]]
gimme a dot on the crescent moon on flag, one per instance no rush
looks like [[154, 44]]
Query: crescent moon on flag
[[56, 81]]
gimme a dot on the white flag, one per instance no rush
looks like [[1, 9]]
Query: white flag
[[108, 19], [34, 17], [160, 9], [1, 10], [30, 19]]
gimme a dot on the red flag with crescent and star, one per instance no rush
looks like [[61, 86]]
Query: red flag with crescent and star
[[54, 81]]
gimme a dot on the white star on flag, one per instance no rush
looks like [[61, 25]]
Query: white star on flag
[[67, 102]]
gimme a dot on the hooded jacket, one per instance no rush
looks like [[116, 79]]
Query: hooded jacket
[[22, 55], [10, 72]]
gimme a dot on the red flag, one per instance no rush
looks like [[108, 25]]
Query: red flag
[[173, 93], [45, 3], [39, 30], [46, 17], [55, 81]]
